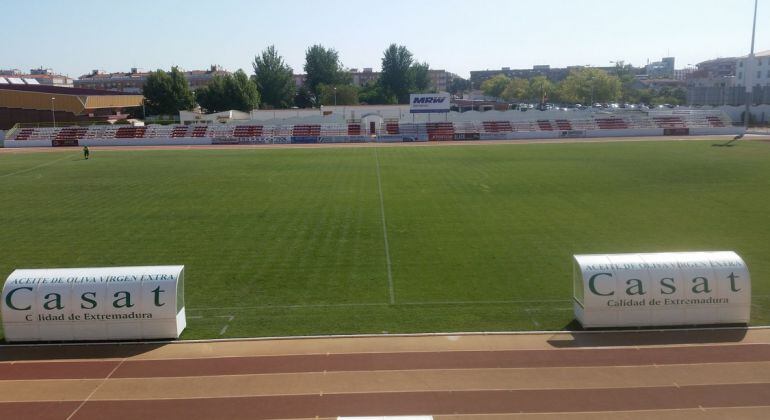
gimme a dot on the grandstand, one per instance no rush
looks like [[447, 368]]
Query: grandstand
[[591, 125], [32, 103]]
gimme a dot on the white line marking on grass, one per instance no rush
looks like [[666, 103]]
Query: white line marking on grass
[[229, 319], [391, 292], [534, 321], [373, 304], [36, 166]]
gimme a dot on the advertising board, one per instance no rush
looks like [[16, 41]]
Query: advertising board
[[568, 134], [64, 142], [429, 102], [110, 303], [304, 140], [676, 131], [467, 136], [683, 288]]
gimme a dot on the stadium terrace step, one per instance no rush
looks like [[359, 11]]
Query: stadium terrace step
[[669, 122], [244, 131], [354, 129], [306, 130], [612, 123], [497, 126], [563, 125], [179, 131], [392, 128], [440, 131]]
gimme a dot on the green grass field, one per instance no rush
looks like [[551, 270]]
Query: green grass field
[[291, 241]]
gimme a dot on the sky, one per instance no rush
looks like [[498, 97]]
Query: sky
[[75, 36]]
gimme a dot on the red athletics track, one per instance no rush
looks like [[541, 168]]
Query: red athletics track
[[695, 373]]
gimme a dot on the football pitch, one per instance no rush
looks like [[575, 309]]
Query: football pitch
[[351, 240]]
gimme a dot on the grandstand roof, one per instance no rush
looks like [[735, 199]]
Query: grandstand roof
[[73, 100], [65, 90], [765, 53]]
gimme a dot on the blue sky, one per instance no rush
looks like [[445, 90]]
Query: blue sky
[[75, 36]]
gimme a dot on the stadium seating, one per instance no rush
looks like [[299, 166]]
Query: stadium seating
[[241, 131], [497, 126], [612, 123], [24, 134], [71, 133], [306, 130], [545, 125], [354, 130], [669, 122], [440, 130], [563, 125], [199, 131], [130, 132], [444, 130], [715, 121], [392, 128], [179, 131]]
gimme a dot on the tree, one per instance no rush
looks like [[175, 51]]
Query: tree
[[397, 78], [274, 79], [374, 94], [666, 95], [323, 66], [167, 93], [242, 91], [212, 97], [587, 84], [495, 86], [304, 98], [540, 89], [337, 95], [459, 85], [420, 77], [516, 88], [234, 91]]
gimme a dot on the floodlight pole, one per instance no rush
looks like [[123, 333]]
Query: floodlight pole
[[747, 113], [53, 112]]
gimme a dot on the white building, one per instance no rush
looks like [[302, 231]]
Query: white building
[[757, 71]]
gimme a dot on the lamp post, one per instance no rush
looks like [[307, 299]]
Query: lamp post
[[690, 97], [749, 61], [53, 112], [335, 96], [620, 66]]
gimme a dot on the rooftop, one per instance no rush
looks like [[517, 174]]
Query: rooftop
[[56, 90]]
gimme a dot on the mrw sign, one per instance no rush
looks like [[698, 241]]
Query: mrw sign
[[115, 303], [429, 102], [685, 288]]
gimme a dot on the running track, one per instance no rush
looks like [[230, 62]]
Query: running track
[[672, 374]]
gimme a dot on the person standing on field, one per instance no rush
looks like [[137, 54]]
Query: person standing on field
[[86, 153]]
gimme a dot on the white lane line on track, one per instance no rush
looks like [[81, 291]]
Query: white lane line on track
[[104, 381], [35, 167], [391, 292]]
